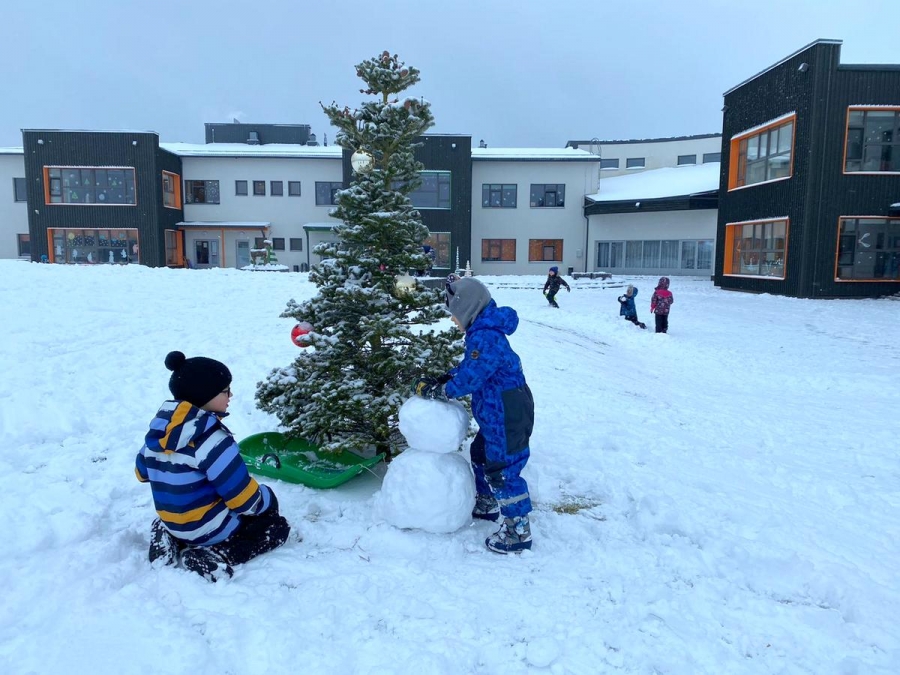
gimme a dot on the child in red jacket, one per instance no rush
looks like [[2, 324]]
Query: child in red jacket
[[660, 302]]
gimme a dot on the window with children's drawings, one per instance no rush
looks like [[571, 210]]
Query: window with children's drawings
[[868, 249], [756, 249]]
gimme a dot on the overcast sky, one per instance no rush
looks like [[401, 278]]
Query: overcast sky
[[526, 73]]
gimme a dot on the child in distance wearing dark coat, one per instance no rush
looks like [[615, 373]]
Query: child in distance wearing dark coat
[[551, 286], [628, 309]]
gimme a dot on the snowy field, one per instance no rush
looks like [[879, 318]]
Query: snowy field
[[721, 499]]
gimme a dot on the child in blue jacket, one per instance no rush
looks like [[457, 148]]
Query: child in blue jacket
[[628, 309], [211, 513], [502, 405]]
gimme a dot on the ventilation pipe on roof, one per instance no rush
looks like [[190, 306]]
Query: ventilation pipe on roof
[[254, 138], [312, 140]]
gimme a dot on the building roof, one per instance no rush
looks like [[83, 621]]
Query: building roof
[[12, 151], [678, 181], [667, 139], [820, 41], [320, 227], [533, 155], [244, 150]]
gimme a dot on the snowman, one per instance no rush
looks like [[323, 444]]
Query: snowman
[[429, 486]]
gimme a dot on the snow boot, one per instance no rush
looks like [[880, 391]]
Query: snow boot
[[209, 564], [163, 545], [514, 536], [486, 508]]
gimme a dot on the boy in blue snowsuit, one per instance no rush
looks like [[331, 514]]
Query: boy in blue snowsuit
[[502, 405], [628, 309]]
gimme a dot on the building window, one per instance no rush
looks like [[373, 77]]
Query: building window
[[94, 246], [548, 195], [326, 193], [498, 250], [610, 254], [276, 188], [433, 192], [609, 164], [19, 191], [174, 250], [171, 185], [440, 244], [712, 157], [24, 241], [762, 155], [240, 188], [259, 188], [201, 191], [684, 160], [84, 185], [873, 140], [545, 250], [634, 163], [868, 249], [499, 195], [658, 255], [293, 188], [278, 244], [296, 244], [756, 249]]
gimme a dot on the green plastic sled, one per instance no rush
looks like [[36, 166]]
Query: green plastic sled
[[296, 460]]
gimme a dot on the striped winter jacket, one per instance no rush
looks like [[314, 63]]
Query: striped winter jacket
[[199, 481]]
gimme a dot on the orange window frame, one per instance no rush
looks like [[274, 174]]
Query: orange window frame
[[728, 261], [175, 180], [735, 151], [837, 252]]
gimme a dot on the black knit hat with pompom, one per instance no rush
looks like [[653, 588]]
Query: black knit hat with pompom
[[198, 380]]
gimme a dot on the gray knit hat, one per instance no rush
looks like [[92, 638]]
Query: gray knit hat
[[466, 298]]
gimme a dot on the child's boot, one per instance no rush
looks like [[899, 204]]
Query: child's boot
[[514, 536], [209, 564], [163, 545], [486, 508]]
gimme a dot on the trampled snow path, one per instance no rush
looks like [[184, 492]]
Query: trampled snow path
[[722, 499]]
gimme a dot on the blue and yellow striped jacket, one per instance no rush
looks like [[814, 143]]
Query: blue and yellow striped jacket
[[199, 480]]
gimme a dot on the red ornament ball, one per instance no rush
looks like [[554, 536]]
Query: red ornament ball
[[300, 334]]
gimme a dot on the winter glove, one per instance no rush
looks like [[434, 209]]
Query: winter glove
[[545, 291], [568, 289], [431, 387]]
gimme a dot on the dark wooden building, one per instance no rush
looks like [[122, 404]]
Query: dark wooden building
[[444, 199], [811, 179], [102, 197]]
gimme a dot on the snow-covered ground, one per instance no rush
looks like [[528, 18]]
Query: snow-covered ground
[[721, 499]]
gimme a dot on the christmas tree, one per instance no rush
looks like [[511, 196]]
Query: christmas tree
[[372, 336]]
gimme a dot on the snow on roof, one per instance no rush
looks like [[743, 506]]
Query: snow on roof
[[660, 183], [244, 150], [533, 154], [213, 224], [321, 226], [12, 151]]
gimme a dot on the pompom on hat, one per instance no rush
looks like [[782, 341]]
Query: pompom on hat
[[197, 380]]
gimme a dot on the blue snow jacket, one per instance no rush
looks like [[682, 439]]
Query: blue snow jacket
[[628, 308], [492, 373]]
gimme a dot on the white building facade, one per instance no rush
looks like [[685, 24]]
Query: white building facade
[[528, 209], [14, 237], [619, 158]]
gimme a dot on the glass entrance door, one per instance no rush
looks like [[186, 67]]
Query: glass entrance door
[[206, 252], [242, 255]]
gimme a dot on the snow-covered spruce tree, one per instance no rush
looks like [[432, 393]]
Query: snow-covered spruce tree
[[372, 338]]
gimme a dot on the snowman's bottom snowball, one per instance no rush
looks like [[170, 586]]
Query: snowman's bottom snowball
[[427, 491]]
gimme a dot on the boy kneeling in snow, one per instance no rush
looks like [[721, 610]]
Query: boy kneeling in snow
[[502, 405], [212, 514]]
